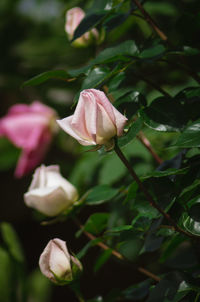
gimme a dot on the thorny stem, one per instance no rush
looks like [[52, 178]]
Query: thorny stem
[[150, 21], [152, 84], [148, 195], [163, 37], [147, 144], [115, 253]]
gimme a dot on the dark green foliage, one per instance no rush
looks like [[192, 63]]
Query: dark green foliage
[[152, 80]]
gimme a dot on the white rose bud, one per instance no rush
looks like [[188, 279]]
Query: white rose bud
[[57, 264], [49, 192]]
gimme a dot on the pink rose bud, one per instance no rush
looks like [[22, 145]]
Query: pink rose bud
[[95, 120], [49, 192], [31, 128], [57, 264], [73, 18]]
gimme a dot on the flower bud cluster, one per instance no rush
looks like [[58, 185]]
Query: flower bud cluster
[[95, 122]]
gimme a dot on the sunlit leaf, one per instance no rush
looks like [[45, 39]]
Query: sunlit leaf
[[96, 223], [100, 194]]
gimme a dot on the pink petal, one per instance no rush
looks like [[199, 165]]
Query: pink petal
[[105, 127], [30, 158], [73, 19], [23, 130], [66, 125], [85, 116], [118, 119]]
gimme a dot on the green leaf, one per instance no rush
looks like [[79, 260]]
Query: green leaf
[[45, 76], [79, 71], [167, 172], [131, 103], [155, 51], [116, 81], [141, 223], [104, 257], [190, 51], [120, 229], [96, 223], [131, 134], [190, 224], [122, 92], [88, 22], [137, 292], [166, 289], [130, 249], [190, 137], [9, 154], [145, 209], [190, 93], [39, 287], [85, 249], [115, 20], [100, 194], [164, 114], [133, 97], [127, 48], [11, 239], [132, 190], [6, 277], [194, 211], [95, 77]]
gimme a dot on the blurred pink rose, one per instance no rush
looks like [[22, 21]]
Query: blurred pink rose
[[73, 18], [95, 120], [29, 127]]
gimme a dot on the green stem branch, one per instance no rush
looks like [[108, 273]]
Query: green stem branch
[[151, 22], [163, 37], [152, 84], [142, 138], [148, 195], [115, 253]]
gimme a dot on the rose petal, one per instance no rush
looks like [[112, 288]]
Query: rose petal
[[65, 124], [49, 201]]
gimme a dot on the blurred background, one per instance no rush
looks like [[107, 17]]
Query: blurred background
[[33, 40]]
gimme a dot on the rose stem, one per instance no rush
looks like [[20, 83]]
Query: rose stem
[[75, 287], [152, 84], [147, 144], [163, 37], [115, 253], [151, 21], [148, 195]]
